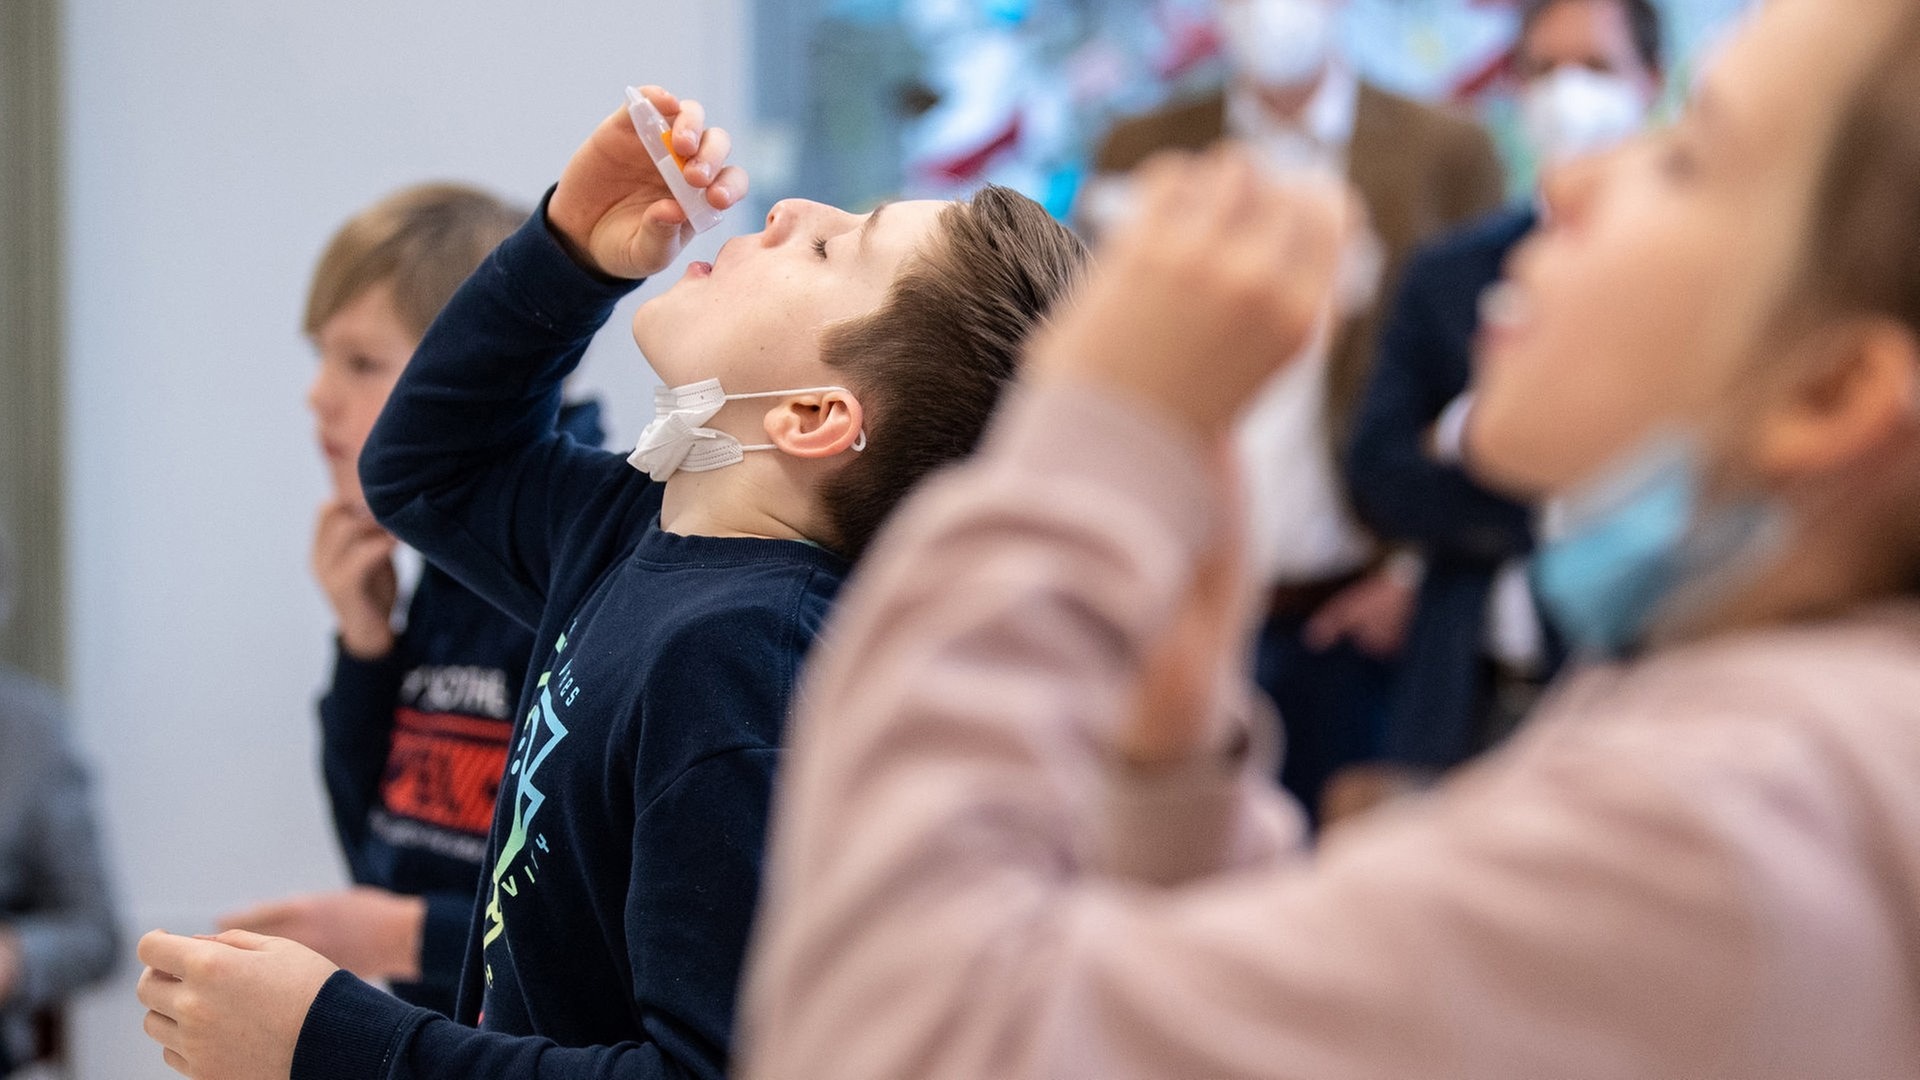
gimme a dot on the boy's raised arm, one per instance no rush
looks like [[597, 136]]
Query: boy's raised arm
[[464, 463]]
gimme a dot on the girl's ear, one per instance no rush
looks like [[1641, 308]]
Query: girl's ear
[[817, 425], [1851, 402]]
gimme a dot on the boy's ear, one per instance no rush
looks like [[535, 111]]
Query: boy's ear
[[817, 425], [1848, 404]]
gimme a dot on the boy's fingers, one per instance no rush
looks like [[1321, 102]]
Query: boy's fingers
[[254, 918], [158, 991], [162, 1029], [1238, 188], [665, 215], [341, 531], [663, 100], [1164, 179], [715, 145], [165, 952], [365, 555], [728, 188], [245, 939], [687, 126]]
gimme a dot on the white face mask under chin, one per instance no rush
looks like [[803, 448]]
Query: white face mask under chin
[[676, 441]]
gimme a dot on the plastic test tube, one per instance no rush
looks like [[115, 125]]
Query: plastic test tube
[[657, 135]]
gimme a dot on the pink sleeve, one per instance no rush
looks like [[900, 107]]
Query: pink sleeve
[[947, 895]]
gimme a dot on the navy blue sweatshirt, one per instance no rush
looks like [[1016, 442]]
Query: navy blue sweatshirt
[[412, 746], [625, 854]]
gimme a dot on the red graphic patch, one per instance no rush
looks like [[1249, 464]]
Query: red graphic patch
[[444, 769]]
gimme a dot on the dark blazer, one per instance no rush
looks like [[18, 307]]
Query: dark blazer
[[1465, 531], [1420, 169]]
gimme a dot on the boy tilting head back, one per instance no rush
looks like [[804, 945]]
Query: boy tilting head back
[[852, 353], [414, 725]]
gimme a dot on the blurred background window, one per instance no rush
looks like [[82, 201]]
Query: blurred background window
[[931, 98]]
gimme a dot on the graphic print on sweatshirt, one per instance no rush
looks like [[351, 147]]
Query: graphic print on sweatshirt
[[449, 745], [518, 865]]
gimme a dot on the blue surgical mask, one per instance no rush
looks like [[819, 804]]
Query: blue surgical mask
[[1637, 547]]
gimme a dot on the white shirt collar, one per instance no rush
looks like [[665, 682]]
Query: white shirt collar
[[1325, 126]]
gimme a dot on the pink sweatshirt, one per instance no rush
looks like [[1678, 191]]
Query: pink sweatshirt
[[1703, 864]]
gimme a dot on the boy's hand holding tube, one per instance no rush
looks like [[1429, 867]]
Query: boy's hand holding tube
[[612, 210]]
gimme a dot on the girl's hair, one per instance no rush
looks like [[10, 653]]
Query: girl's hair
[[1863, 250], [422, 241]]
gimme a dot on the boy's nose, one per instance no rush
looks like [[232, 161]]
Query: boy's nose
[[786, 216], [317, 396]]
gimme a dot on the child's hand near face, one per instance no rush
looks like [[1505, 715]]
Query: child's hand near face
[[1219, 279], [353, 561], [613, 210]]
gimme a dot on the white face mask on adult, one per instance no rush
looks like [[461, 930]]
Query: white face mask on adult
[[676, 441], [1278, 42], [1574, 111]]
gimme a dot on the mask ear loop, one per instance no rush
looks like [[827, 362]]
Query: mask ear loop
[[859, 444]]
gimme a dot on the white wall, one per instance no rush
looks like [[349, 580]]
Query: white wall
[[212, 148]]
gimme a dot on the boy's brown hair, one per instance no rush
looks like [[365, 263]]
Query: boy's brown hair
[[420, 241], [931, 362]]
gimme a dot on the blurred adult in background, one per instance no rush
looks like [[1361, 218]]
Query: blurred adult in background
[[1338, 606], [415, 725], [1477, 653], [58, 932]]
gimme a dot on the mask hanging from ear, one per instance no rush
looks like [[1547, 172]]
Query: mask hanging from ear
[[1638, 547], [677, 441]]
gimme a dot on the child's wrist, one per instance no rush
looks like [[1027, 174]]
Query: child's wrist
[[576, 249], [367, 645]]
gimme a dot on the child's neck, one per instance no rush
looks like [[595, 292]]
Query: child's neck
[[737, 501], [1829, 565]]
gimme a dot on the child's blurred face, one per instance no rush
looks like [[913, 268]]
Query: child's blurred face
[[363, 348], [1592, 34], [1643, 303], [754, 317]]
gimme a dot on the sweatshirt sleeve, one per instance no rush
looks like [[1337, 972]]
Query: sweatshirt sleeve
[[938, 904], [356, 1032], [695, 876], [1169, 826], [464, 463], [356, 731]]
